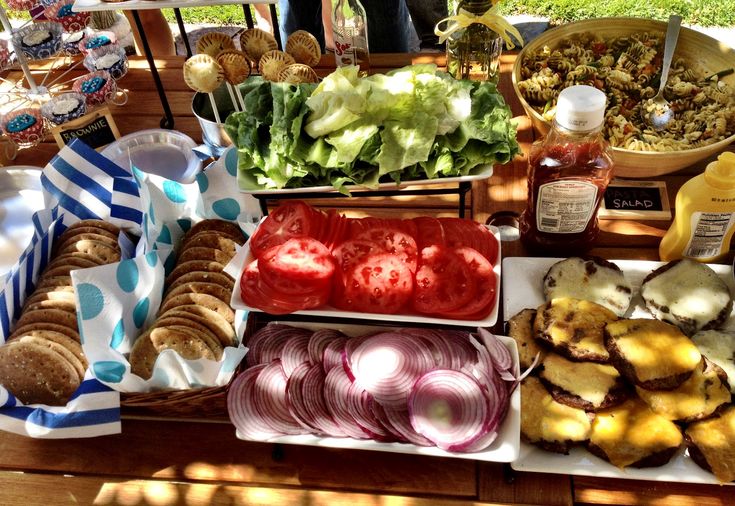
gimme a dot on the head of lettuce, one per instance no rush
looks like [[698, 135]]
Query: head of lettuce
[[412, 123]]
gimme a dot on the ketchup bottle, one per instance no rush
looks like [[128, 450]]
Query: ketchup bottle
[[568, 172]]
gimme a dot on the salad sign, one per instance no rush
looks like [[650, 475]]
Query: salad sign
[[636, 199]]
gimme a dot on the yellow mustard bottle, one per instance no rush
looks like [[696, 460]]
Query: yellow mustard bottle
[[705, 215]]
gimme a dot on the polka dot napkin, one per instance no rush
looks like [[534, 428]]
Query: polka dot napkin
[[121, 300]]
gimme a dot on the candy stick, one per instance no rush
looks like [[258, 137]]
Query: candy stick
[[239, 95], [214, 107], [232, 97]]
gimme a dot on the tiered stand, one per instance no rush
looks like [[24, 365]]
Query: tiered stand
[[138, 5]]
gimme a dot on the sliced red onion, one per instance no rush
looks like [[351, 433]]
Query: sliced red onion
[[271, 348], [333, 354], [360, 406], [336, 389], [269, 399], [449, 408], [439, 346], [499, 353], [462, 350], [296, 401], [484, 369], [388, 364], [295, 353], [254, 342], [241, 408], [319, 341], [314, 404], [398, 421]]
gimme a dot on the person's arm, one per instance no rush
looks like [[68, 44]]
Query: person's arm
[[157, 32]]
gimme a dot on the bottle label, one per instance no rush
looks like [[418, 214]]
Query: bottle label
[[565, 207], [344, 47], [708, 234]]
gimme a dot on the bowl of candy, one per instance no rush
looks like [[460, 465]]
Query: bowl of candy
[[622, 57]]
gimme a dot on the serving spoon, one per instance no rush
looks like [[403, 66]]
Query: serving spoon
[[660, 113]]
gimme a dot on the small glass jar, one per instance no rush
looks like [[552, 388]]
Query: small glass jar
[[474, 52]]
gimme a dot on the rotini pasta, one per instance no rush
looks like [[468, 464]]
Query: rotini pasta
[[628, 70]]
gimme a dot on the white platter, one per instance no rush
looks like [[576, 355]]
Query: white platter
[[237, 265], [505, 448], [20, 197], [229, 158], [522, 288]]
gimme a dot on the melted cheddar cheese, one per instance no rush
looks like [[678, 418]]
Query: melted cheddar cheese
[[655, 349], [715, 438], [697, 397], [631, 432], [587, 380], [544, 419], [574, 324]]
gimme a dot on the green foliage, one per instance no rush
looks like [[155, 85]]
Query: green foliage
[[694, 12]]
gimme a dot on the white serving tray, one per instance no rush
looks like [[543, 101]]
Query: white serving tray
[[505, 448], [229, 158], [522, 288], [238, 264]]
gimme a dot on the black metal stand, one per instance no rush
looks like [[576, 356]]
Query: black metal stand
[[461, 190], [182, 31], [168, 120], [248, 16]]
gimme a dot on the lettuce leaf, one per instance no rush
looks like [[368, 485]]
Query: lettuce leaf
[[411, 123]]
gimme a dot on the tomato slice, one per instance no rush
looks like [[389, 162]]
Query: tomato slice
[[380, 283], [350, 252], [429, 232], [292, 219], [482, 273], [257, 294], [443, 281], [395, 241], [300, 265]]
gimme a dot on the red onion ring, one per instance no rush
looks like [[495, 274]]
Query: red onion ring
[[269, 399], [388, 364], [449, 408], [360, 406], [319, 341], [241, 409], [314, 404], [336, 388], [294, 353], [296, 401], [398, 422], [333, 354]]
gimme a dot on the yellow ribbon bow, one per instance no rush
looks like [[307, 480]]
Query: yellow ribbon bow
[[490, 18]]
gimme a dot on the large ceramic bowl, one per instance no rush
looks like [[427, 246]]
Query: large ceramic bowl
[[711, 55]]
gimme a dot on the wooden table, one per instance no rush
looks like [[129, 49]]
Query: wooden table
[[169, 462]]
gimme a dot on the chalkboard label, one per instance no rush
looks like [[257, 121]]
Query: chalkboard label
[[636, 199], [97, 129]]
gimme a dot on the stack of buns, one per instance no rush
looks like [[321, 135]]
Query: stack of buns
[[630, 390], [42, 361]]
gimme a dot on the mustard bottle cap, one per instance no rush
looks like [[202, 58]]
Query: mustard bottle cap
[[721, 173]]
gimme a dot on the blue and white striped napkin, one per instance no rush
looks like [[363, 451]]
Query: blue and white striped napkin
[[78, 183]]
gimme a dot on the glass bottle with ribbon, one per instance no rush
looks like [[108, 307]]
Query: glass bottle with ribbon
[[474, 39]]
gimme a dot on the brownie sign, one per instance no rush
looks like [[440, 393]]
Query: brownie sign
[[97, 129]]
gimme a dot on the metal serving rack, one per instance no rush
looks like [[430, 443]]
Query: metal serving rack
[[461, 189], [138, 5]]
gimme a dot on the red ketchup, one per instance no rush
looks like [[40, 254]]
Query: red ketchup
[[568, 173]]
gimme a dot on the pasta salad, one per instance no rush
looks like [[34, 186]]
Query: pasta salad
[[628, 70]]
